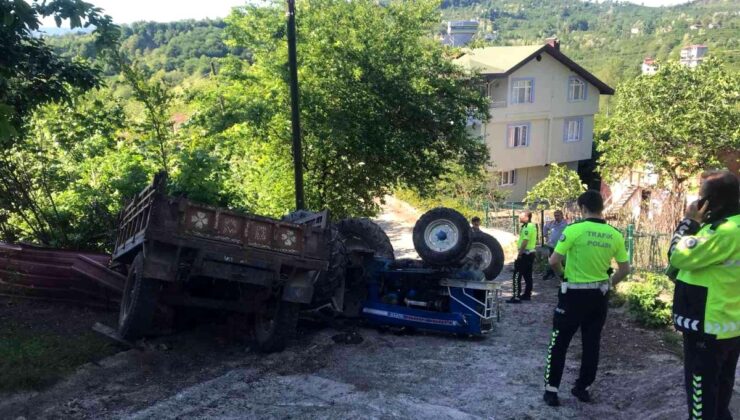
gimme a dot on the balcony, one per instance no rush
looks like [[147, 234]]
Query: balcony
[[498, 104]]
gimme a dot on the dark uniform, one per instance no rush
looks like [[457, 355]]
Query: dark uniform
[[523, 265], [706, 308], [589, 246]]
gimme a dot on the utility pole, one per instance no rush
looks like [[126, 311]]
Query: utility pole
[[294, 107]]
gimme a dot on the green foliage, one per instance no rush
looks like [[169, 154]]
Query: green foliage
[[31, 74], [381, 105], [187, 46], [63, 186], [467, 192], [467, 209], [598, 35], [679, 121], [561, 186], [649, 299]]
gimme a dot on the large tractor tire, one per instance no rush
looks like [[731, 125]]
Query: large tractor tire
[[361, 233], [486, 254], [138, 303], [274, 327], [332, 278], [442, 236]]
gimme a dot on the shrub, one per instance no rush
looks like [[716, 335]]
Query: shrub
[[648, 299]]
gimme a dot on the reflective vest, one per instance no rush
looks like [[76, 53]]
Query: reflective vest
[[589, 246], [707, 294], [528, 232]]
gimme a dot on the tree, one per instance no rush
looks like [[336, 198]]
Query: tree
[[381, 105], [679, 121], [31, 74], [561, 186]]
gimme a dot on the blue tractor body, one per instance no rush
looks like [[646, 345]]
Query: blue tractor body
[[451, 300]]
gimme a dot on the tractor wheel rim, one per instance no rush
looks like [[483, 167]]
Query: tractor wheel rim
[[441, 235], [481, 254]]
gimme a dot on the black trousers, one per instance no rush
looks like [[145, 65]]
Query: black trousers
[[523, 269], [709, 374], [584, 309]]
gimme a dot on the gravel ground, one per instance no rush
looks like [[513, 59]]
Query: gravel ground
[[211, 373]]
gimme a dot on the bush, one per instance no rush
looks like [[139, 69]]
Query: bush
[[648, 298], [425, 204]]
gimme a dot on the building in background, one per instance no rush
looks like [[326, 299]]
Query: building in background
[[542, 111], [693, 55], [460, 32], [649, 66]]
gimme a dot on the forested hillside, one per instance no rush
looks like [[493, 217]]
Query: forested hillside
[[182, 48], [597, 35], [600, 35]]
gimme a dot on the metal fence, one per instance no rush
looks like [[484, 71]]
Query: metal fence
[[647, 251]]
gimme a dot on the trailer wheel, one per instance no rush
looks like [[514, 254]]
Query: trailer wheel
[[364, 233], [274, 327], [442, 236], [486, 254], [331, 279], [138, 303]]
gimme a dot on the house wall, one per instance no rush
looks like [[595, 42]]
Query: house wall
[[526, 178], [546, 116]]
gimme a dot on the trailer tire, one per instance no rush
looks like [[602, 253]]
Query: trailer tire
[[331, 279], [486, 253], [442, 236], [362, 232], [139, 301], [273, 328]]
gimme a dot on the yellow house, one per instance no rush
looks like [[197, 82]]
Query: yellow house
[[542, 111]]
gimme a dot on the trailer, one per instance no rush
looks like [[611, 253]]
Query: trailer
[[177, 253]]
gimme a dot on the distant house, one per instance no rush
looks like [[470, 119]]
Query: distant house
[[693, 55], [649, 66], [696, 26], [460, 32], [635, 31], [542, 111]]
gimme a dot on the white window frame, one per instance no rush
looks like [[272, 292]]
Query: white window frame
[[512, 140], [507, 178], [527, 94], [573, 82], [573, 130]]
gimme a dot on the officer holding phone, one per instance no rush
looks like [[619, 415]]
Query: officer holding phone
[[705, 261]]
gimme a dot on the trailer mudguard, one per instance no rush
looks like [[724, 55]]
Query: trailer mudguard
[[299, 289]]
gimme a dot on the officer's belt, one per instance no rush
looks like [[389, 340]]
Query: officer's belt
[[585, 286]]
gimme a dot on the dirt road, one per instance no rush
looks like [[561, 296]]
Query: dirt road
[[209, 374]]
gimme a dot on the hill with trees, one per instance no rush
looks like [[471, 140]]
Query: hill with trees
[[609, 38]]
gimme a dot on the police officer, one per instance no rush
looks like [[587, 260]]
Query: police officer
[[706, 303], [589, 245], [475, 223], [525, 259], [552, 231]]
